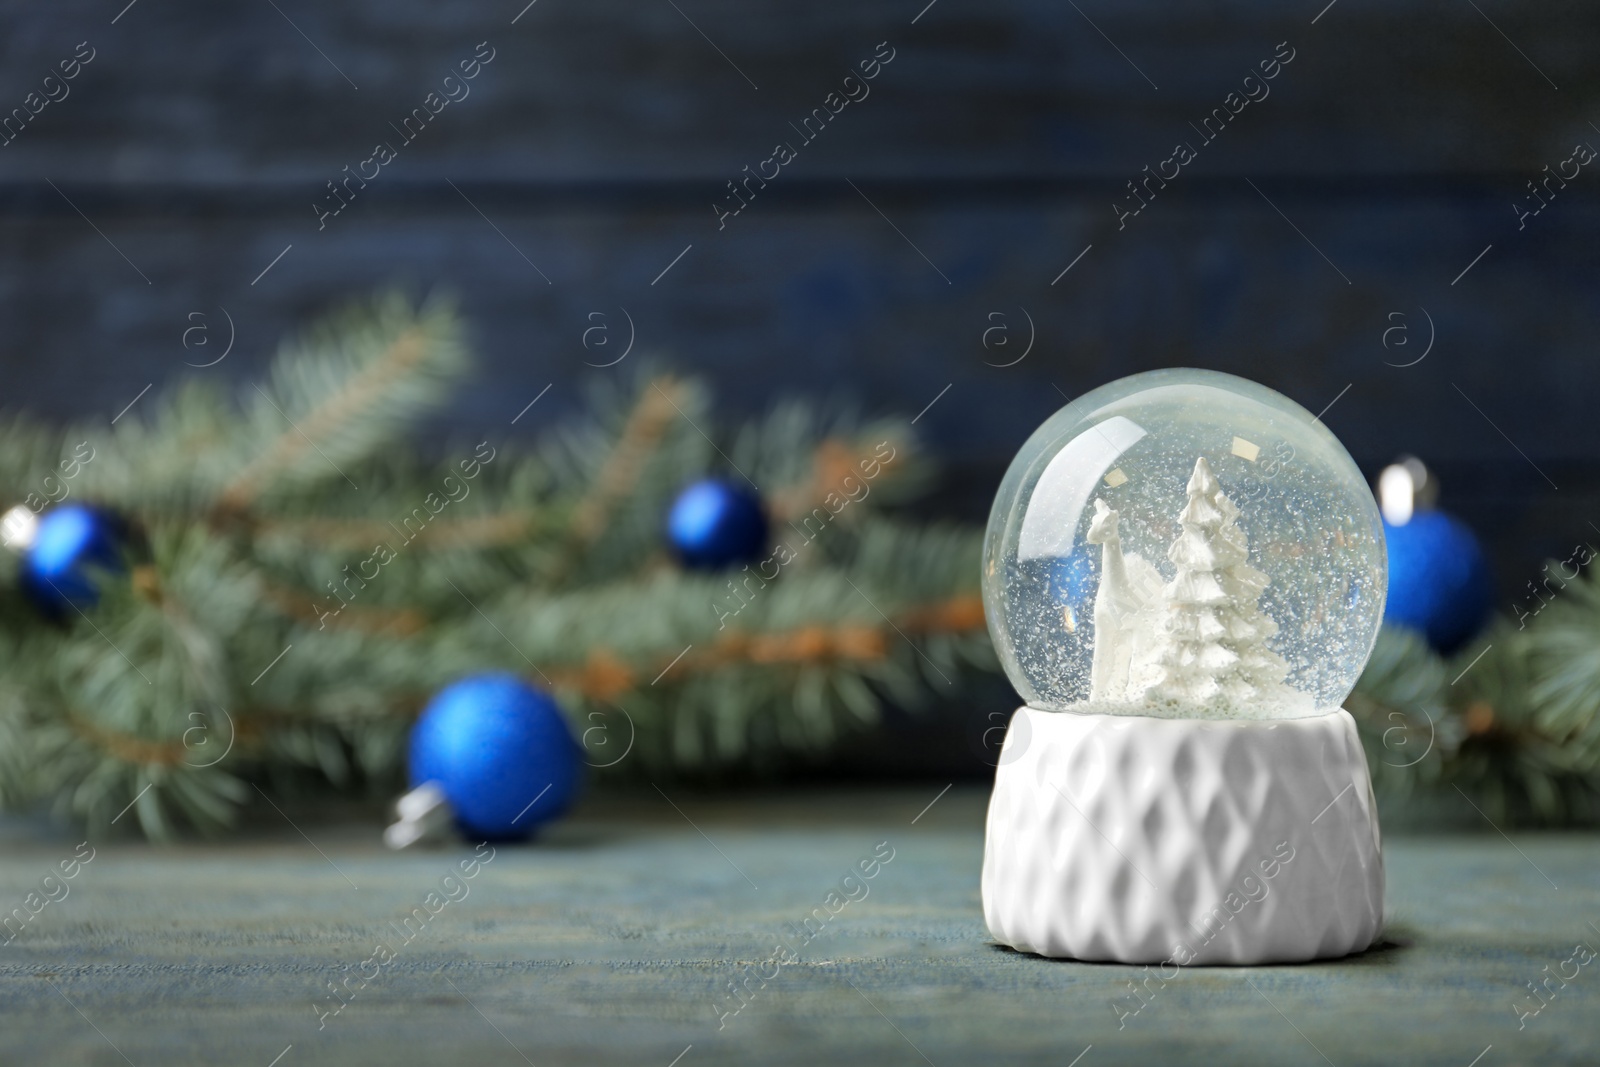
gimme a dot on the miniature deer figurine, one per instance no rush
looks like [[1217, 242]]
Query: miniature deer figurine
[[1116, 604]]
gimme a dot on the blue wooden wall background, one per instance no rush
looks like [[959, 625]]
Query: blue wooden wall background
[[1388, 154]]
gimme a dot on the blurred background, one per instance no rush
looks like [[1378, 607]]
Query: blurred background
[[957, 244]]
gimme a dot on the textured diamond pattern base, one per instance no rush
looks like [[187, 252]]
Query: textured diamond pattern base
[[1116, 837]]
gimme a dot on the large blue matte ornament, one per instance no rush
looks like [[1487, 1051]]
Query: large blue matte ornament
[[714, 524], [70, 543], [501, 751], [1439, 581]]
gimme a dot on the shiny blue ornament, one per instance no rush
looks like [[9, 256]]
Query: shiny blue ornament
[[715, 524], [1439, 580], [1075, 578], [501, 751], [71, 542]]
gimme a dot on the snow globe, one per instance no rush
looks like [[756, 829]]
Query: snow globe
[[1183, 574]]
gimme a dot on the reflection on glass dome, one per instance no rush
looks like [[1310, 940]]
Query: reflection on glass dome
[[1184, 543]]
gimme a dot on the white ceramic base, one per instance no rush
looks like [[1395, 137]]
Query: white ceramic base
[[1140, 840]]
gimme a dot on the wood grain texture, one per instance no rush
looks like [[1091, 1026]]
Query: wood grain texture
[[192, 93], [986, 158], [612, 940]]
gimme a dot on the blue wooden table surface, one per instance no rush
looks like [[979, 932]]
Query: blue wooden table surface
[[615, 940]]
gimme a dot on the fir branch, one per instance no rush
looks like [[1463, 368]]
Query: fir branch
[[469, 532], [291, 446], [301, 606], [392, 361], [957, 614], [125, 747], [567, 569], [1561, 644], [658, 404], [835, 464], [605, 675]]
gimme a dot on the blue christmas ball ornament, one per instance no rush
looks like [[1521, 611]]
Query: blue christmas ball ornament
[[501, 751], [70, 543], [714, 524], [1073, 579], [1439, 581]]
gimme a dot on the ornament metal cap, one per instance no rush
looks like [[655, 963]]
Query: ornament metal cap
[[421, 814]]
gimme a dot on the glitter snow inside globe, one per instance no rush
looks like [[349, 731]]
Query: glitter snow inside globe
[[1184, 574]]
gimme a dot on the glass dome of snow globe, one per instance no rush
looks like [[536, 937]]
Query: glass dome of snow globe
[[1184, 544]]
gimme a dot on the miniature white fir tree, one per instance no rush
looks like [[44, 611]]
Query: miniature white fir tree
[[1213, 651]]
